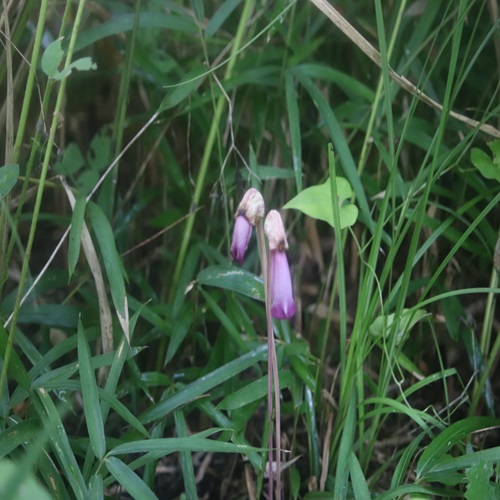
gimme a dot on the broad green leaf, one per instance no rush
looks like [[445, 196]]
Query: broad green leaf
[[112, 263], [100, 151], [316, 201], [130, 481], [203, 385], [451, 436], [91, 404], [381, 326], [75, 234], [479, 485], [8, 178], [71, 162], [52, 58], [232, 278], [340, 143]]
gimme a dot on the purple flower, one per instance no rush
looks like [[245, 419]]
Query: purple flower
[[241, 237], [250, 210], [283, 305]]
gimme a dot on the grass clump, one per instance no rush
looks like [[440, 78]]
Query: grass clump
[[133, 352]]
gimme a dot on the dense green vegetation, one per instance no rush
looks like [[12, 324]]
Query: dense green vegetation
[[133, 351]]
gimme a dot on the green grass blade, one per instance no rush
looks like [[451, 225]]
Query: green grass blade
[[75, 234], [450, 437], [234, 279], [131, 482], [345, 451], [174, 445], [204, 384], [294, 121], [186, 458], [112, 263], [91, 404], [60, 443], [358, 480]]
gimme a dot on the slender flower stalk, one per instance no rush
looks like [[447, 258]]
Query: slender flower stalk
[[278, 298]]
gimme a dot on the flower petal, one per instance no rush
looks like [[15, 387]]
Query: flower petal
[[283, 305], [241, 237]]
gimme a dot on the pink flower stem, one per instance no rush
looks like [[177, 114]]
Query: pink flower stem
[[272, 371]]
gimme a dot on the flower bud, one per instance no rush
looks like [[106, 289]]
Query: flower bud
[[275, 231], [250, 210], [251, 206], [241, 237], [282, 303]]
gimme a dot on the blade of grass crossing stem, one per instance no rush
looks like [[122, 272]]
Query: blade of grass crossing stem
[[121, 410], [52, 422], [186, 458], [340, 144], [112, 263], [220, 419], [196, 442], [294, 121], [340, 257], [204, 384], [132, 483], [345, 450], [92, 408]]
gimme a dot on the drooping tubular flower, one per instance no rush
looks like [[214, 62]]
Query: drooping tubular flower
[[250, 210], [283, 305]]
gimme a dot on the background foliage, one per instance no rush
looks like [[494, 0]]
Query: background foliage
[[133, 352]]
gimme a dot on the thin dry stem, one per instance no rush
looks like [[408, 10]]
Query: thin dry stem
[[356, 37]]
